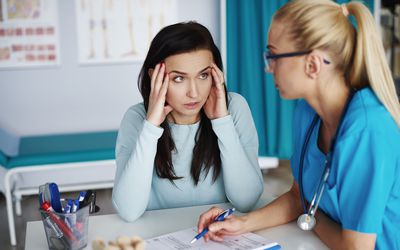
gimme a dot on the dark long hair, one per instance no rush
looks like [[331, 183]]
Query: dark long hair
[[171, 40]]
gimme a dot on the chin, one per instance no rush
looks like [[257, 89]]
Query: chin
[[185, 112], [286, 96], [193, 112]]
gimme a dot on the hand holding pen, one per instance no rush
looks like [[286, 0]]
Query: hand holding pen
[[233, 225], [220, 217]]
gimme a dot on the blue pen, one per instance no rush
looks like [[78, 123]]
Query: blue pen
[[220, 217], [68, 207], [75, 206], [81, 196]]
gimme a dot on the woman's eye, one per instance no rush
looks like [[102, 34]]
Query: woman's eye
[[203, 76], [178, 79]]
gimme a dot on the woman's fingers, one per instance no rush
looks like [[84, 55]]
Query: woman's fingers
[[167, 110], [159, 78], [220, 225], [157, 109], [218, 229], [163, 95], [226, 233], [218, 76], [216, 237], [159, 83], [164, 86], [154, 76], [208, 217], [219, 72], [217, 81]]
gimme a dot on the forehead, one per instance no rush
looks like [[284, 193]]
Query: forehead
[[190, 62], [278, 37]]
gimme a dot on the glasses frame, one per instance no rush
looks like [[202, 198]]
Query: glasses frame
[[268, 58]]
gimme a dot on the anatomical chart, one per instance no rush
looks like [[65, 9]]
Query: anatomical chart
[[28, 33], [113, 31]]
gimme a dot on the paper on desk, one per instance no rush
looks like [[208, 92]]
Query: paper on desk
[[181, 240]]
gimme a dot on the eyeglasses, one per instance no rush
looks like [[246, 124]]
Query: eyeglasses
[[269, 58]]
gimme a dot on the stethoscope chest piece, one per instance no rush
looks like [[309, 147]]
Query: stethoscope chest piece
[[306, 222]]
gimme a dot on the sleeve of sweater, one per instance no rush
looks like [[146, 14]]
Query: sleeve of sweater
[[238, 144], [135, 152]]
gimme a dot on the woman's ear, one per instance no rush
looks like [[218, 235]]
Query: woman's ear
[[313, 65], [150, 72]]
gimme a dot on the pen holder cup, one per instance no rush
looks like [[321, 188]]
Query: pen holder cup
[[66, 231]]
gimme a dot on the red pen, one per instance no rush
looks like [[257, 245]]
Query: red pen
[[60, 223]]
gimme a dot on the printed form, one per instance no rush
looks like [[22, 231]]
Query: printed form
[[180, 240]]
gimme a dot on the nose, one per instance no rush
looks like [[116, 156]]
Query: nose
[[192, 91]]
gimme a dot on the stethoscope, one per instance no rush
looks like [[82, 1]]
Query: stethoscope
[[307, 220]]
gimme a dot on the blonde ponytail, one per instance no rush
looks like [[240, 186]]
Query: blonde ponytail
[[357, 53], [369, 64]]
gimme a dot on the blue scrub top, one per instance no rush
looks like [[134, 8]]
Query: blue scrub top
[[363, 188]]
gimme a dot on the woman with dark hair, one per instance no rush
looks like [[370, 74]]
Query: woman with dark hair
[[189, 142]]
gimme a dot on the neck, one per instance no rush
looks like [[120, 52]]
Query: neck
[[329, 103]]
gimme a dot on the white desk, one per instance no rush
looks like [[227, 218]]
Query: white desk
[[158, 222]]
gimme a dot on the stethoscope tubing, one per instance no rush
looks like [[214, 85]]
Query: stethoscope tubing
[[301, 163], [320, 190], [327, 164]]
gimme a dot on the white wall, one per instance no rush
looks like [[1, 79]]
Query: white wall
[[73, 98]]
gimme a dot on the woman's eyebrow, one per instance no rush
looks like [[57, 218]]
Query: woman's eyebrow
[[178, 72], [206, 68], [184, 73]]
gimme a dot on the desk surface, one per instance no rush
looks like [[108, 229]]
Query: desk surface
[[158, 222]]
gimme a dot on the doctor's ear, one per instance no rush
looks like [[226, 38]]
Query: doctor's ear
[[313, 65]]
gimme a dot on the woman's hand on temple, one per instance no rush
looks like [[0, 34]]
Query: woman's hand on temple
[[157, 110], [232, 225], [215, 106]]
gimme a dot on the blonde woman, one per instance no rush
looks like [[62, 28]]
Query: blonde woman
[[346, 160]]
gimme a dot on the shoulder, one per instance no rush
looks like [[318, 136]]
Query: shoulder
[[236, 100], [369, 129], [136, 111], [238, 107], [367, 115], [133, 117]]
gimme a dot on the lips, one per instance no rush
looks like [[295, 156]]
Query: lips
[[191, 105]]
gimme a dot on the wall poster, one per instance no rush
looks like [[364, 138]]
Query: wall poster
[[113, 31], [28, 33]]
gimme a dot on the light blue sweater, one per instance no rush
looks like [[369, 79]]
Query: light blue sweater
[[138, 188]]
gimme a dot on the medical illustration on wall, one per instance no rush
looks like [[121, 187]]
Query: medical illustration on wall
[[112, 31], [28, 33]]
